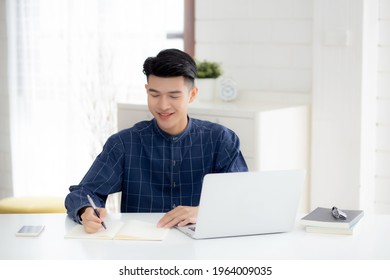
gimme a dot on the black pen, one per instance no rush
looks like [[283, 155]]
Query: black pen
[[95, 209]]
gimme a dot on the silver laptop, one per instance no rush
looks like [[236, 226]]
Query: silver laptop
[[247, 203]]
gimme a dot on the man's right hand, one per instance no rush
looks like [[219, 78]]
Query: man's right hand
[[90, 221]]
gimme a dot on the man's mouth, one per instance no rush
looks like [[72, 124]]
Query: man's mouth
[[165, 116]]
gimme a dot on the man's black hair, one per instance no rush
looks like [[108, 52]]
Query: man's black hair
[[171, 63]]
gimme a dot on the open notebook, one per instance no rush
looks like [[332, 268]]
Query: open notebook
[[129, 230]]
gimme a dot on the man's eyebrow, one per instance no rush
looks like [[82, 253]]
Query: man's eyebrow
[[153, 90], [170, 92]]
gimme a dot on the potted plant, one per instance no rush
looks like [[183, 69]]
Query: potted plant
[[207, 73]]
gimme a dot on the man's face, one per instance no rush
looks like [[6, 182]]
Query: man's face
[[168, 100]]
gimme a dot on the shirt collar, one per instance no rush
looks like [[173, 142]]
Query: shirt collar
[[173, 138]]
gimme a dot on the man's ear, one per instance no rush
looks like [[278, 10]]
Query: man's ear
[[193, 93]]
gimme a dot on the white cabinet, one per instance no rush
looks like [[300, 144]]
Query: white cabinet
[[273, 136]]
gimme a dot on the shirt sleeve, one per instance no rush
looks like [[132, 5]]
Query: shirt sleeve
[[229, 157], [104, 177]]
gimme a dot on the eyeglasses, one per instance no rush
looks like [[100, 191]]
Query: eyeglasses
[[338, 214]]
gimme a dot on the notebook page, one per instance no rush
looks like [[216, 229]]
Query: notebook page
[[112, 228], [139, 230]]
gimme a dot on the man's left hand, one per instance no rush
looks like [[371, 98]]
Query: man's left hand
[[180, 216]]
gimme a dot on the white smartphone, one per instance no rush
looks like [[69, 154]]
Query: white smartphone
[[30, 230]]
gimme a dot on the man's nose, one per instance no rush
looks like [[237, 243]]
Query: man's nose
[[164, 103]]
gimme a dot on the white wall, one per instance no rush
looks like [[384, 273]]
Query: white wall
[[265, 45], [268, 46], [382, 191], [5, 153], [343, 102]]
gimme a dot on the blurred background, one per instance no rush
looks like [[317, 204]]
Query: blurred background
[[65, 64]]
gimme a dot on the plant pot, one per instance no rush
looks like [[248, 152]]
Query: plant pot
[[206, 89]]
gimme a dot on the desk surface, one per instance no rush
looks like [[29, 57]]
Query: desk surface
[[370, 241]]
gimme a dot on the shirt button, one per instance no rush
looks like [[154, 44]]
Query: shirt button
[[174, 138], [174, 206]]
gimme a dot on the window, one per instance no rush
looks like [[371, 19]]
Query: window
[[71, 61]]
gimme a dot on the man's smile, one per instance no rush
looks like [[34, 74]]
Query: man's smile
[[165, 116]]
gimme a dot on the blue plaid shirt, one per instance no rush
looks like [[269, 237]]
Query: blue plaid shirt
[[156, 171]]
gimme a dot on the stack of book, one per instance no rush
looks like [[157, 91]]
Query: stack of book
[[321, 220]]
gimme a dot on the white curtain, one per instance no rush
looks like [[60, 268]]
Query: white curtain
[[70, 62]]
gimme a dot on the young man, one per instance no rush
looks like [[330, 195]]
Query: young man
[[159, 165]]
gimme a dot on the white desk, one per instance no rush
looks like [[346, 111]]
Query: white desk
[[371, 241]]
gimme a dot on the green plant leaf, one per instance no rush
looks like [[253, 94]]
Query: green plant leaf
[[207, 69]]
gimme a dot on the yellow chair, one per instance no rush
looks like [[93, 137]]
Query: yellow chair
[[32, 204]]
